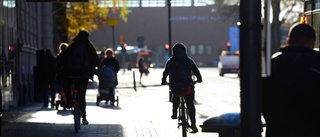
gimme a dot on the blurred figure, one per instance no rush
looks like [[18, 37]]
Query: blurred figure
[[143, 69], [179, 68], [79, 61], [101, 57], [48, 78], [110, 60], [291, 95], [60, 75]]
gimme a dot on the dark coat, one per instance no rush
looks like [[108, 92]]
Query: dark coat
[[92, 54], [291, 96], [112, 61], [186, 62]]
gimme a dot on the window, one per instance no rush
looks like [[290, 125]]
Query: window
[[181, 3], [153, 3], [133, 3], [200, 49], [192, 49], [208, 49]]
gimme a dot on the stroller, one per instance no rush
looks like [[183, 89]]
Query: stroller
[[106, 88]]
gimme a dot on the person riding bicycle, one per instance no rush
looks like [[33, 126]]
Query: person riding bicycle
[[181, 62], [79, 61]]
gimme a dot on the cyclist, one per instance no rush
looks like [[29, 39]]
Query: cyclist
[[181, 60], [79, 62]]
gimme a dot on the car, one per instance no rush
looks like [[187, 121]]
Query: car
[[228, 62]]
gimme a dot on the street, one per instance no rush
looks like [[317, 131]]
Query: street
[[143, 112]]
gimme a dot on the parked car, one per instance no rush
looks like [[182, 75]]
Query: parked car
[[228, 62]]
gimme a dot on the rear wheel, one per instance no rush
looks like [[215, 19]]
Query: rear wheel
[[183, 118], [76, 115]]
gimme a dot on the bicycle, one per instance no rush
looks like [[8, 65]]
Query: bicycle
[[75, 104], [183, 116]]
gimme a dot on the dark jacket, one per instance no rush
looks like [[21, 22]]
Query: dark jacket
[[92, 54], [111, 62], [49, 68], [186, 63], [291, 96]]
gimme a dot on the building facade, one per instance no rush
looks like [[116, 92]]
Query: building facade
[[204, 31], [25, 27]]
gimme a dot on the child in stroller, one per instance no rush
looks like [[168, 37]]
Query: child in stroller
[[107, 80]]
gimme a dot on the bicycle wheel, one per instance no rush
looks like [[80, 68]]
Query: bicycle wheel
[[76, 114], [183, 119]]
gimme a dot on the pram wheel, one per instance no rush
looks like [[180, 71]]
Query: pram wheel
[[98, 100], [107, 94]]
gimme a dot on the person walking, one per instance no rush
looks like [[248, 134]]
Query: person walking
[[60, 75], [48, 78], [291, 95], [143, 69], [110, 60], [101, 57], [179, 68], [79, 60]]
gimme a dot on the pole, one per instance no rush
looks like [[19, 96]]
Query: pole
[[134, 80], [169, 31], [113, 39], [169, 26], [267, 37], [250, 60]]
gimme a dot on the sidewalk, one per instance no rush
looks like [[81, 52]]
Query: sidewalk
[[144, 112]]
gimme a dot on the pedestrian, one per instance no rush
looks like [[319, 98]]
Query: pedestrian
[[143, 69], [179, 68], [291, 95], [110, 60], [79, 60], [60, 75], [101, 57], [48, 75]]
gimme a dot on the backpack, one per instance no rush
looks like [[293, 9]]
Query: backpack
[[78, 60], [107, 77], [180, 80]]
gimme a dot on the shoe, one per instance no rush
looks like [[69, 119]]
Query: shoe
[[112, 103], [194, 129], [85, 121], [69, 104], [174, 117]]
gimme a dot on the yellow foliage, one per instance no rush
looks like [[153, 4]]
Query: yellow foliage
[[91, 15]]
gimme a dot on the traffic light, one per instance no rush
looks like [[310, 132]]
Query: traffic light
[[10, 49], [166, 47], [228, 46]]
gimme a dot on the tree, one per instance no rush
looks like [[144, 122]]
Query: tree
[[282, 11], [93, 14], [290, 11]]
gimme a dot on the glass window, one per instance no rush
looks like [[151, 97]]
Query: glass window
[[203, 2], [200, 49], [153, 3], [133, 3], [181, 3], [208, 49], [192, 49]]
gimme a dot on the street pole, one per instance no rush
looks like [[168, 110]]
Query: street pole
[[169, 26], [113, 39], [169, 31], [250, 60]]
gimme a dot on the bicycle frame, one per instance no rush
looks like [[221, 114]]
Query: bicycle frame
[[183, 117], [76, 111]]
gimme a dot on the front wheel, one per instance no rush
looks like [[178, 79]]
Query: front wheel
[[76, 117], [183, 122]]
